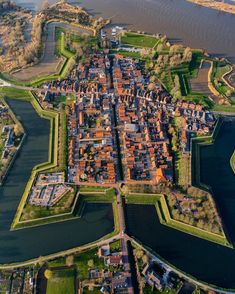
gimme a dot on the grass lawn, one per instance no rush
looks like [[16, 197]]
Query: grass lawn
[[81, 260], [115, 246], [92, 189], [224, 108], [129, 54], [15, 93], [139, 40], [109, 196], [85, 40], [149, 290], [142, 198], [60, 261], [62, 281], [94, 291], [31, 212]]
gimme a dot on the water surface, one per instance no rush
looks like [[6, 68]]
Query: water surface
[[25, 244], [204, 260], [195, 26]]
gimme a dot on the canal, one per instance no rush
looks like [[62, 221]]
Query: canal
[[204, 260], [25, 244]]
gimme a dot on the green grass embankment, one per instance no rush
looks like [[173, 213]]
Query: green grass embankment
[[165, 218], [232, 162], [107, 197]]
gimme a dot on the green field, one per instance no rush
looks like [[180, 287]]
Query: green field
[[224, 108], [93, 188], [31, 212], [62, 281], [129, 54], [142, 198], [15, 93], [139, 40], [81, 260]]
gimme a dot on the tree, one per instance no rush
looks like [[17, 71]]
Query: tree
[[175, 92], [174, 49], [138, 253], [175, 60], [45, 4], [228, 92], [48, 274], [159, 48], [90, 263], [158, 70], [17, 130], [151, 86], [145, 258], [187, 55]]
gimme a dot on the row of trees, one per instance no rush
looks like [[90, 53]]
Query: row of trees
[[31, 51], [174, 57], [174, 138], [17, 50], [198, 212]]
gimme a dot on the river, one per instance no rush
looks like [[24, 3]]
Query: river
[[180, 20], [25, 244]]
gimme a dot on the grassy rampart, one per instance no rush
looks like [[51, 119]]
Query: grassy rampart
[[232, 162], [52, 153], [159, 201]]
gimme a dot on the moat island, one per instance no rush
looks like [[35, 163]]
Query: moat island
[[120, 115]]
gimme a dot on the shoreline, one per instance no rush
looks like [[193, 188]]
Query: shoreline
[[220, 6], [24, 135]]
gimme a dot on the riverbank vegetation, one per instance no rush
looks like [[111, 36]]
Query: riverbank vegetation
[[20, 50], [16, 46]]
